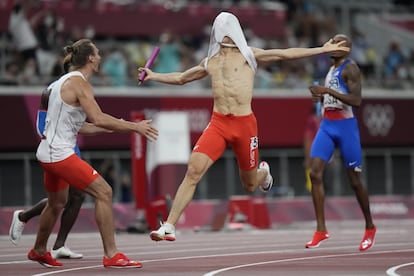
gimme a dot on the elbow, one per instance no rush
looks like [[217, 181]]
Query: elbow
[[357, 102], [180, 81], [98, 121], [101, 124]]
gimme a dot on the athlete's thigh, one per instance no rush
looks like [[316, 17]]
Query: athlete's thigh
[[98, 188], [72, 170], [199, 163], [74, 192], [75, 197], [52, 181], [211, 143], [246, 146], [57, 199], [323, 145], [79, 174], [350, 144]]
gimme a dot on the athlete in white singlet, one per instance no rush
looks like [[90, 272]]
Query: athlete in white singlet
[[71, 101]]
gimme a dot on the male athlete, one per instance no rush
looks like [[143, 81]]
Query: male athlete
[[71, 101], [231, 65], [339, 128], [75, 197]]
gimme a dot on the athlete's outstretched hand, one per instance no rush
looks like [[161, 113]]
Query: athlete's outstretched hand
[[144, 128], [331, 46]]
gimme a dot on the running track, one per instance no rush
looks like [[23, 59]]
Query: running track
[[279, 251]]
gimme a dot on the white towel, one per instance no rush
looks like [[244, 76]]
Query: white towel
[[226, 24]]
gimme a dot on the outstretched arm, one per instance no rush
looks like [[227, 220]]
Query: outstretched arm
[[295, 53], [84, 94], [179, 78], [91, 129]]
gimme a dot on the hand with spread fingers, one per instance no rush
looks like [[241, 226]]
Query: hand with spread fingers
[[144, 128], [337, 47]]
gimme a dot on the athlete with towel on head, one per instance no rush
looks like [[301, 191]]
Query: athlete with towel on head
[[231, 64]]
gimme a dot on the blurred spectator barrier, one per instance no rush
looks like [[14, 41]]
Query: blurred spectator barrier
[[385, 124]]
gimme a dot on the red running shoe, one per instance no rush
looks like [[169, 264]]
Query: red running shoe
[[46, 259], [318, 237], [368, 240], [119, 260]]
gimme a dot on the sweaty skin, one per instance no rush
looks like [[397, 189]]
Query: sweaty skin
[[232, 81], [334, 135], [232, 78]]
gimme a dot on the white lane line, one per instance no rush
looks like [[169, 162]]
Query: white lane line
[[67, 270], [233, 254], [392, 271], [230, 254], [215, 272]]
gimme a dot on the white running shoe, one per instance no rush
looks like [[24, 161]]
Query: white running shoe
[[65, 253], [165, 233], [16, 228], [268, 182]]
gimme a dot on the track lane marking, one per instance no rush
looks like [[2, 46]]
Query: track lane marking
[[392, 271], [235, 254], [215, 272]]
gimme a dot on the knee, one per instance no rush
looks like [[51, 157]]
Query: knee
[[356, 184], [56, 205], [105, 193], [193, 173], [43, 202], [316, 176], [77, 197]]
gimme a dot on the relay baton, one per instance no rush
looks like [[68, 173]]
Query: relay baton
[[150, 61]]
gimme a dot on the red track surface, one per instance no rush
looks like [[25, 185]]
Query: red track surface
[[279, 251]]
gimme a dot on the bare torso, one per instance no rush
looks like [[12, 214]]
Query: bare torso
[[231, 81]]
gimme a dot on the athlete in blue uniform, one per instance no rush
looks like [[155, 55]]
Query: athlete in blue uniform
[[339, 128]]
